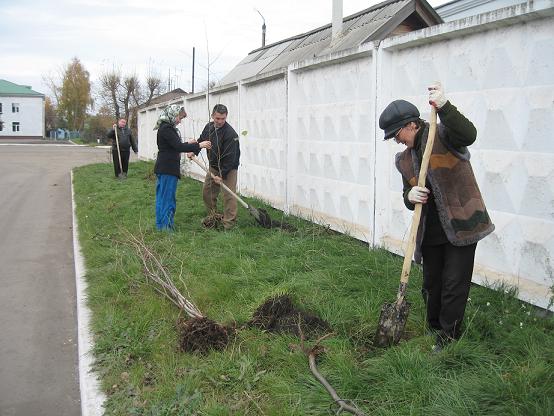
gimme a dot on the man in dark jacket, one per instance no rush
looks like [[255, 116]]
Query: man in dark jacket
[[224, 163], [126, 142], [454, 216], [168, 163]]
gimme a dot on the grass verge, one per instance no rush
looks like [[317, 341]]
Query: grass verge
[[503, 365]]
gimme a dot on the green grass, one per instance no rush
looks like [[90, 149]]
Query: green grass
[[503, 365]]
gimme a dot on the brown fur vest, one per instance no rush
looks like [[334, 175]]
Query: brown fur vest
[[462, 212]]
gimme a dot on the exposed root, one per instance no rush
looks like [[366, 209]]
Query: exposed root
[[214, 221], [197, 334], [313, 353]]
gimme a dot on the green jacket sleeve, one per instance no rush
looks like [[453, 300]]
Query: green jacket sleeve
[[460, 131]]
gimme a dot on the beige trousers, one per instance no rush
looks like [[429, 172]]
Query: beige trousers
[[210, 192]]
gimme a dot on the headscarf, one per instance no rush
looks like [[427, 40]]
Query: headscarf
[[169, 114]]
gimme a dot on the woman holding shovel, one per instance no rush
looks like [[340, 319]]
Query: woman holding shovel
[[454, 216], [168, 163]]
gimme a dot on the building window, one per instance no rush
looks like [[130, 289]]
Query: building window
[[15, 126], [0, 108], [1, 125], [15, 108]]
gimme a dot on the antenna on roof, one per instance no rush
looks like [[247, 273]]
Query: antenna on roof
[[263, 28]]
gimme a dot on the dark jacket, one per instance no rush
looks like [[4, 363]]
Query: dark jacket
[[125, 138], [455, 210], [170, 148], [225, 152]]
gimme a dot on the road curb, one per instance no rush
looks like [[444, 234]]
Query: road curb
[[92, 398]]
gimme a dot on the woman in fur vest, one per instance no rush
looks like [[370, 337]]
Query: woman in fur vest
[[454, 216]]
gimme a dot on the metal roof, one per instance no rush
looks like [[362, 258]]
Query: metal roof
[[8, 88], [168, 96], [374, 23]]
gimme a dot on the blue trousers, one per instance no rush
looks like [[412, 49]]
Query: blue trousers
[[166, 187]]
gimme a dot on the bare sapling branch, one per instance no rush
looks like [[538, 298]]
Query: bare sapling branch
[[157, 274]]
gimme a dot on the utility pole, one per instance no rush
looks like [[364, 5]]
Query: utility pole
[[193, 52]]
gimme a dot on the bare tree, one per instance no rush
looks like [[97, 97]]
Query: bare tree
[[130, 94], [50, 116], [153, 86], [110, 85], [124, 94], [53, 82]]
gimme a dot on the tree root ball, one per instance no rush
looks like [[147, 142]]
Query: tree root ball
[[214, 221], [202, 335], [280, 315]]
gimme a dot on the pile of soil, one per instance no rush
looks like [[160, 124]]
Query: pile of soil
[[202, 335], [279, 315], [266, 222]]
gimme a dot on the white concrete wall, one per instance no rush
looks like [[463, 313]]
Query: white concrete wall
[[330, 145], [198, 115], [146, 133], [313, 147], [30, 116], [263, 115]]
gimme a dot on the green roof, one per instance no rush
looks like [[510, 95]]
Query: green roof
[[9, 88]]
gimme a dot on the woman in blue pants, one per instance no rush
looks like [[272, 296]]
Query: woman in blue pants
[[168, 163]]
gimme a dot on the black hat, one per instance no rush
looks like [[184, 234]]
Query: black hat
[[397, 115]]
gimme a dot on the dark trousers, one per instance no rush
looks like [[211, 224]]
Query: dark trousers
[[124, 160], [447, 272]]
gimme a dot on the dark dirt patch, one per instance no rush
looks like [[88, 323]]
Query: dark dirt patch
[[202, 335], [280, 315], [265, 221]]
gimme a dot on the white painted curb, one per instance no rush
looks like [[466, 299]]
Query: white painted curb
[[92, 399]]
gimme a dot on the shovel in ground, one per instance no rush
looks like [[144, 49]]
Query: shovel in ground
[[120, 176], [260, 215], [394, 315]]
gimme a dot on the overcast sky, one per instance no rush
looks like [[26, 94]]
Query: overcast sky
[[39, 37]]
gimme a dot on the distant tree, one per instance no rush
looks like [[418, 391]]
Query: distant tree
[[54, 85], [97, 125], [153, 87], [110, 91], [123, 94], [75, 96], [50, 116]]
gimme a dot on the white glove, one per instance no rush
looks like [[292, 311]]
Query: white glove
[[418, 195], [436, 95]]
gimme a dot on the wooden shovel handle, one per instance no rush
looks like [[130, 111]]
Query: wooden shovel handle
[[418, 207], [205, 169], [118, 152]]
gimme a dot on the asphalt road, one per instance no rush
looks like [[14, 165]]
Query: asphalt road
[[38, 320]]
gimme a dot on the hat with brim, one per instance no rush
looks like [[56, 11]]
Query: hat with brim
[[396, 115]]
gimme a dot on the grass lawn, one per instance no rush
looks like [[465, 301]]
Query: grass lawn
[[503, 365]]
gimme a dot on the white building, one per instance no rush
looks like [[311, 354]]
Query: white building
[[310, 105], [21, 112]]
